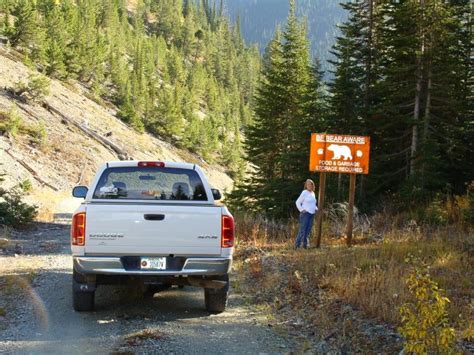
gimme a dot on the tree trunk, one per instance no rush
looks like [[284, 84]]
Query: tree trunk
[[368, 63], [427, 114], [416, 116], [419, 81]]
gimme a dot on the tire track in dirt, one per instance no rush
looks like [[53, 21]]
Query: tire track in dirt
[[172, 321]]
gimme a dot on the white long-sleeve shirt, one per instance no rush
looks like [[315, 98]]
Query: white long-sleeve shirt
[[307, 202]]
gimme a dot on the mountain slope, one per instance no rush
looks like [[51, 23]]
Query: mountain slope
[[77, 130], [259, 19], [173, 68]]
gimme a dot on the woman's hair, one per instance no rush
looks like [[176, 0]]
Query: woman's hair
[[311, 182]]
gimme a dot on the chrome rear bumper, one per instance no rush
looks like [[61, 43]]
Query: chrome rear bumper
[[113, 266]]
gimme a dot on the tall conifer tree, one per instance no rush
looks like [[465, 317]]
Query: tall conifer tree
[[278, 140]]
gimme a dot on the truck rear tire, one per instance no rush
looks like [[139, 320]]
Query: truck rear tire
[[83, 301], [216, 299]]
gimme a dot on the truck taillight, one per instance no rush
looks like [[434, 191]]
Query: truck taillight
[[153, 164], [78, 229], [228, 232]]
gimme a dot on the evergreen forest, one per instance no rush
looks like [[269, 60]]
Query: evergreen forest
[[178, 69], [401, 73], [259, 18]]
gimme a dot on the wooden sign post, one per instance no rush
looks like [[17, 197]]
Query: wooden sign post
[[319, 217], [350, 212], [339, 154]]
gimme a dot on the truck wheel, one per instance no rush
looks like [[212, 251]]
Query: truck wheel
[[216, 299], [83, 301]]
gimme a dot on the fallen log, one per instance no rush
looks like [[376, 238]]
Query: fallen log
[[32, 171], [122, 154]]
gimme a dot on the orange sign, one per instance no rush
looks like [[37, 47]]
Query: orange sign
[[334, 153]]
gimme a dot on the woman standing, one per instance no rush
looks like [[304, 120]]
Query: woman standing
[[306, 204]]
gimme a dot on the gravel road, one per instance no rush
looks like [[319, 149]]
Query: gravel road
[[39, 317]]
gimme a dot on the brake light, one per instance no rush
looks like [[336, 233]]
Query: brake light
[[228, 232], [148, 164], [78, 229]]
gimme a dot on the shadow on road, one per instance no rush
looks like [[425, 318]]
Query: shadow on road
[[51, 297]]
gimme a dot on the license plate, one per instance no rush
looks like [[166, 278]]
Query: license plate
[[153, 263]]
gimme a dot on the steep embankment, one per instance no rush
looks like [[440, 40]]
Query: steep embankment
[[79, 135]]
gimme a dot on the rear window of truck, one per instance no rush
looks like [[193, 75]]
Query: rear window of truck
[[150, 183]]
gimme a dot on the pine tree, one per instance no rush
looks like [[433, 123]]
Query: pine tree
[[6, 28], [169, 19], [27, 31], [71, 25], [169, 120], [423, 92], [357, 62], [445, 117], [297, 82], [316, 104], [410, 97], [277, 141], [127, 109], [25, 24], [55, 46]]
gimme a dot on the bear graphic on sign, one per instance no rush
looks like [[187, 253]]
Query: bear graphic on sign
[[340, 151]]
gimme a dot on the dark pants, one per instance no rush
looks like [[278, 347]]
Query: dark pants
[[306, 223]]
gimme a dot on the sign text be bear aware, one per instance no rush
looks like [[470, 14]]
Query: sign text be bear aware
[[334, 153]]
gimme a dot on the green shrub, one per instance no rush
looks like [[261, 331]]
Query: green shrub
[[437, 212], [10, 121], [37, 132], [36, 88], [13, 211], [129, 115], [425, 325], [40, 135], [468, 208], [26, 185]]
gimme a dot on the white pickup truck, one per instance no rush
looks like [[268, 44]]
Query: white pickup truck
[[153, 222]]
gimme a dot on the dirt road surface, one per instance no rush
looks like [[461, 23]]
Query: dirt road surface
[[35, 296]]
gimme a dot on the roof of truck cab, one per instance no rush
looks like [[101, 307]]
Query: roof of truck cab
[[168, 164]]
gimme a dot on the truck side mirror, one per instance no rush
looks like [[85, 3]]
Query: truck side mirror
[[80, 191], [216, 194]]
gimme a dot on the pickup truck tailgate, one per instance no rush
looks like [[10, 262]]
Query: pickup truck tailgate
[[149, 229]]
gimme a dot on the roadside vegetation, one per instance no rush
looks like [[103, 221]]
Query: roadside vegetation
[[375, 278], [398, 80], [14, 212]]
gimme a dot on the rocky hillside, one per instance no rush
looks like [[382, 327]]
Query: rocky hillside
[[78, 135]]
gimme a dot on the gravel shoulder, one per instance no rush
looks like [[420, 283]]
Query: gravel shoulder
[[35, 289]]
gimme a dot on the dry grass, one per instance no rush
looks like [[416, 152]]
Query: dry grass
[[263, 232], [369, 277], [51, 202]]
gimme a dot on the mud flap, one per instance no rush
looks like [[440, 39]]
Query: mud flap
[[83, 282], [83, 287]]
